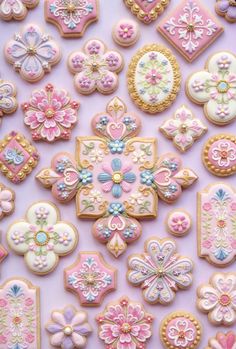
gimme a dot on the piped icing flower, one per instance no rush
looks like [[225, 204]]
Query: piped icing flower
[[126, 32]]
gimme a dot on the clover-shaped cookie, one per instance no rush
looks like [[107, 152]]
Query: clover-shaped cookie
[[42, 237], [8, 103], [16, 9]]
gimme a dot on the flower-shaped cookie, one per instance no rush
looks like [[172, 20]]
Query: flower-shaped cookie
[[8, 103], [227, 9], [223, 341], [215, 88], [95, 68], [183, 128], [71, 16], [69, 328], [90, 278], [218, 299], [16, 9], [160, 271], [32, 53], [50, 114], [124, 324], [7, 201], [42, 237]]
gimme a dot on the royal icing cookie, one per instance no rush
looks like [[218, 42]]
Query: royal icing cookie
[[216, 224], [215, 88], [153, 78], [3, 254], [159, 271], [8, 103], [116, 177], [178, 222], [219, 155], [69, 328], [20, 315], [7, 201], [16, 9], [147, 10], [180, 330], [227, 9], [90, 278], [17, 157], [50, 114], [95, 68], [183, 128], [223, 341], [190, 28], [32, 53], [72, 17], [42, 237], [126, 32], [125, 324], [218, 299]]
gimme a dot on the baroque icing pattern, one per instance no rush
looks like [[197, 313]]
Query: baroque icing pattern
[[16, 9], [8, 103], [223, 341], [116, 177]]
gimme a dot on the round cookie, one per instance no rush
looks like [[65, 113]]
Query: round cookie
[[178, 222], [126, 32], [227, 9]]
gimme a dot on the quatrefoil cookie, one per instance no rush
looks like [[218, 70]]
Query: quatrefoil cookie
[[8, 103], [223, 340], [16, 9]]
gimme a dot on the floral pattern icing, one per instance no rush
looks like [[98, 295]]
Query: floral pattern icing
[[90, 278], [42, 237], [183, 128], [7, 201], [50, 114], [8, 103], [32, 53], [125, 324], [223, 341], [16, 9], [19, 315], [95, 68], [126, 32], [160, 271], [227, 9], [215, 88], [178, 222], [218, 299], [69, 328], [190, 28], [71, 16]]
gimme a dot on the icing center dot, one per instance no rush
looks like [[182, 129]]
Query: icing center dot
[[181, 335], [117, 177], [90, 279], [50, 113], [190, 27], [71, 8], [224, 154], [183, 128], [31, 50], [126, 328], [41, 238], [95, 66], [16, 320], [221, 223], [160, 273], [222, 86], [68, 330], [225, 300]]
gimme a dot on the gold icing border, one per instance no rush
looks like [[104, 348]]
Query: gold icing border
[[140, 14]]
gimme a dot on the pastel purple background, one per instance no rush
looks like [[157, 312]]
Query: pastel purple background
[[53, 295]]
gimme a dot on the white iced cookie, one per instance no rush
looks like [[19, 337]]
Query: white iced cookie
[[16, 9]]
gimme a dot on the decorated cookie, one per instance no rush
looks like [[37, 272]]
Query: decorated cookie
[[190, 28], [178, 222], [8, 103], [69, 328], [90, 278], [95, 68], [215, 88], [71, 16], [180, 330], [20, 315], [126, 32], [216, 224], [7, 201], [153, 78], [16, 9], [219, 155], [32, 53], [223, 341], [147, 10], [159, 271], [17, 157], [3, 254], [124, 324], [50, 114], [227, 9], [116, 177], [218, 299], [183, 128], [42, 237]]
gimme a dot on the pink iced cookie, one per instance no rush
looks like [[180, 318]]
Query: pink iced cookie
[[16, 9], [7, 201], [219, 155], [95, 68], [178, 222], [190, 28], [180, 330], [50, 114], [71, 16], [32, 53], [126, 32], [8, 103], [17, 157], [20, 315], [90, 278], [222, 340], [3, 252]]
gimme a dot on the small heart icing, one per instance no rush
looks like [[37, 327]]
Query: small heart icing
[[116, 130], [71, 176]]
